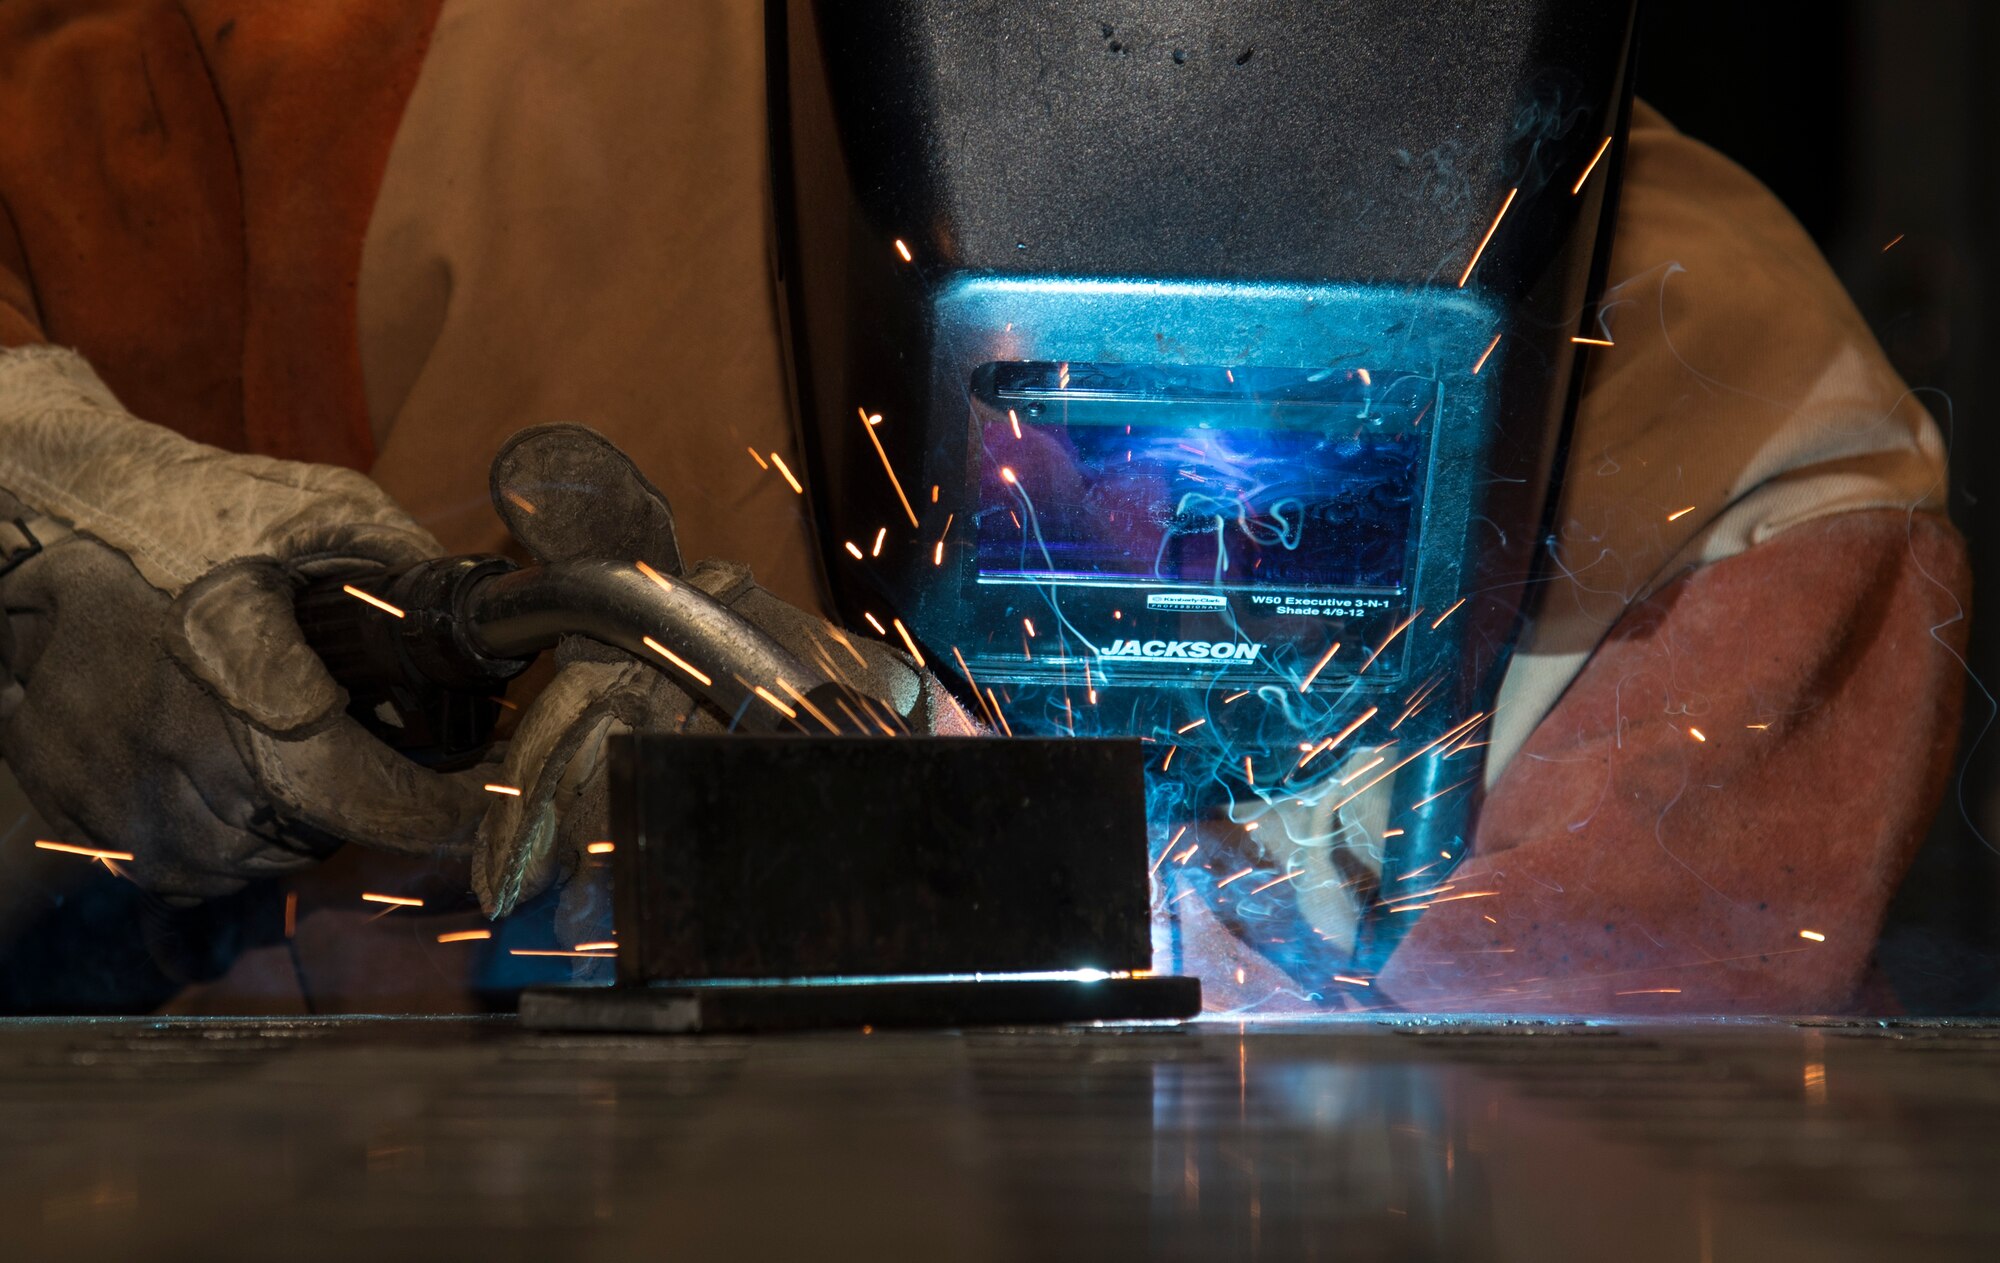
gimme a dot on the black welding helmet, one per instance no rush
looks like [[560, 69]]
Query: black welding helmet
[[1201, 374]]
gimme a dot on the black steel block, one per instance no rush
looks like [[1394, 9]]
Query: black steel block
[[789, 857]]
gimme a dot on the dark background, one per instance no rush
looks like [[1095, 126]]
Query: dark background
[[1870, 119]]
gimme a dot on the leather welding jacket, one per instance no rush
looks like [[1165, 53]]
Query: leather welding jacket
[[387, 234]]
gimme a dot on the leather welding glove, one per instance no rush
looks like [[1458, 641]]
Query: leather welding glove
[[157, 695], [567, 493]]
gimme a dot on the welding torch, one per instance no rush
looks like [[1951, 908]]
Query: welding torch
[[425, 650]]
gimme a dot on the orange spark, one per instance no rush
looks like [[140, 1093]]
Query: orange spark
[[876, 549], [869, 421], [1651, 991], [1391, 640], [1814, 935], [776, 705], [1189, 727], [1237, 877], [465, 936], [805, 704], [876, 623], [1491, 229], [509, 791], [1463, 726], [601, 848], [1593, 341], [1441, 793], [1006, 474], [1248, 774], [1589, 167], [1481, 362], [1697, 734], [1233, 696], [1343, 735], [676, 659], [523, 951], [1319, 666], [1448, 613], [785, 469], [394, 901], [908, 642], [1758, 727], [90, 851], [654, 575], [904, 251], [937, 554], [967, 672], [1353, 981], [1169, 760], [1275, 882], [855, 549], [761, 462], [520, 502], [1029, 623], [1893, 240], [1357, 773], [1015, 422], [1678, 514], [291, 913], [1004, 725], [609, 945], [375, 601], [1362, 373]]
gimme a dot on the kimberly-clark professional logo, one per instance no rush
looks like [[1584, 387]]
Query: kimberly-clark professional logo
[[1186, 602], [1186, 650]]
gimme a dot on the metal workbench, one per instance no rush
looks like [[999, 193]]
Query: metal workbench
[[475, 1139]]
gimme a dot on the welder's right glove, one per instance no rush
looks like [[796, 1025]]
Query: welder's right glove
[[567, 493], [156, 694]]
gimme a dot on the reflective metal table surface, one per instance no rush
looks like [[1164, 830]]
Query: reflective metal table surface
[[387, 1139]]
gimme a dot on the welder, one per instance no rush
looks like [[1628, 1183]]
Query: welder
[[278, 281]]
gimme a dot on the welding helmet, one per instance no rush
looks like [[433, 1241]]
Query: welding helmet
[[1203, 376]]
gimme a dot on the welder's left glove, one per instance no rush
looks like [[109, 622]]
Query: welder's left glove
[[566, 493], [156, 693]]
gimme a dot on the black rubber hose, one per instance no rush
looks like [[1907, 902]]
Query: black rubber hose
[[700, 643]]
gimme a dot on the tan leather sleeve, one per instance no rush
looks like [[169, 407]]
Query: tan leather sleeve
[[1749, 760]]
